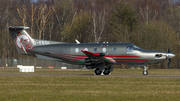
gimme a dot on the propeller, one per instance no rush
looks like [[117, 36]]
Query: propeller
[[169, 59]]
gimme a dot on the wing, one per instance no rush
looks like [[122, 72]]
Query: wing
[[100, 57]]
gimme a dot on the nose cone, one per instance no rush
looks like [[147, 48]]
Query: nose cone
[[170, 55]]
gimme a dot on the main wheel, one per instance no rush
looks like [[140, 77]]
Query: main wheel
[[97, 71], [145, 72], [106, 71]]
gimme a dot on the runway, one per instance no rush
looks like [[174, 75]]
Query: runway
[[38, 72], [91, 75]]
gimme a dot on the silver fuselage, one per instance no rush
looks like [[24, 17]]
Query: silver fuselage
[[71, 53]]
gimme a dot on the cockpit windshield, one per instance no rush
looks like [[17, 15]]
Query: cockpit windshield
[[136, 47], [133, 47]]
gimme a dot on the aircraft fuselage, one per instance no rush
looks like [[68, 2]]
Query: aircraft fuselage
[[71, 53]]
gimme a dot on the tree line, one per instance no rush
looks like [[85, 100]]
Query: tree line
[[149, 24]]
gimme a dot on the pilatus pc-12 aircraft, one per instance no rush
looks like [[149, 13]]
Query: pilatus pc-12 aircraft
[[98, 56]]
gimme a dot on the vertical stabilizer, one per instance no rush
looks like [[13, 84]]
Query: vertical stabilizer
[[24, 43], [21, 38]]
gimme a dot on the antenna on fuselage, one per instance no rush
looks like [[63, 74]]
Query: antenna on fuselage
[[77, 41]]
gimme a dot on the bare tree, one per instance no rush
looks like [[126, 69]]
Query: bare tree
[[33, 10], [64, 14], [22, 14], [98, 21], [148, 9], [51, 27], [43, 15]]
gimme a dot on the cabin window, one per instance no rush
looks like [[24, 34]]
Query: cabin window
[[114, 49], [104, 49], [77, 50], [95, 50], [86, 49]]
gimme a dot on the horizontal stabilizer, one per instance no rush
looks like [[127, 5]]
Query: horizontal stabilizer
[[17, 27]]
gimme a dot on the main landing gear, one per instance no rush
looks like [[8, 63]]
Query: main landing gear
[[97, 71], [145, 72], [105, 71], [109, 69]]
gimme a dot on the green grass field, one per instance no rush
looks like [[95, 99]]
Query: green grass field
[[89, 88]]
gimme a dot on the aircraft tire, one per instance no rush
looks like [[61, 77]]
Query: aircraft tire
[[145, 72], [97, 71], [106, 72]]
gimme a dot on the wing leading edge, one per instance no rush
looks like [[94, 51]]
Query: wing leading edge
[[99, 56]]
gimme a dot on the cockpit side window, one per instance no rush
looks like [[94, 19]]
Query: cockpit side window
[[129, 48]]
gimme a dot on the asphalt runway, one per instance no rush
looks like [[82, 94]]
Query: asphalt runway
[[90, 75], [82, 75]]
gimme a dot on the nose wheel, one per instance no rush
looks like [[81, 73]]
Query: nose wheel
[[145, 72]]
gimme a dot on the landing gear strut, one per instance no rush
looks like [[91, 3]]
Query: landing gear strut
[[145, 72]]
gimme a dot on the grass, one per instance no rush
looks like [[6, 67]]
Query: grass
[[98, 88]]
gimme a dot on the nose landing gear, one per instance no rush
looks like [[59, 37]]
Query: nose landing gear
[[145, 72]]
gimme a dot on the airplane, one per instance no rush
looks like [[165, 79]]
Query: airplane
[[98, 56]]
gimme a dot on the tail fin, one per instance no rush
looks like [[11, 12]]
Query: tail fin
[[24, 42], [21, 39]]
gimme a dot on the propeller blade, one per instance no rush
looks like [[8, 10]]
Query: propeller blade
[[168, 64], [169, 56], [169, 51], [169, 60]]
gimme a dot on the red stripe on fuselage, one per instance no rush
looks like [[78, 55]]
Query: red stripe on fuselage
[[82, 57], [71, 57], [110, 56], [123, 56], [131, 60]]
